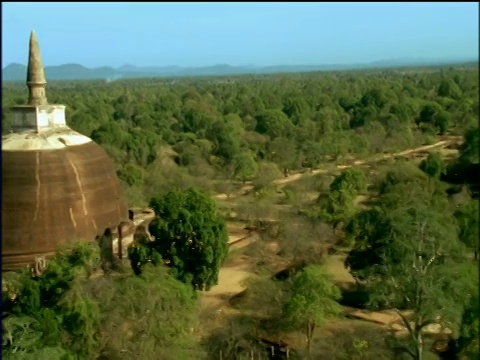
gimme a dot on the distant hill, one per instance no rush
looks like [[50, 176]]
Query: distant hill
[[18, 72]]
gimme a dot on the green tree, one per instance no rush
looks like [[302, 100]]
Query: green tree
[[433, 165], [47, 314], [468, 344], [313, 300], [190, 236], [352, 180], [335, 207], [366, 230], [402, 173], [470, 149], [147, 316], [274, 123], [428, 113], [414, 255], [442, 122], [244, 166], [132, 174], [330, 120], [283, 152], [432, 116], [449, 88], [226, 135], [296, 108], [375, 97], [363, 116], [467, 217]]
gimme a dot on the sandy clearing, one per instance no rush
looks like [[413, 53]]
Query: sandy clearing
[[230, 281], [336, 268]]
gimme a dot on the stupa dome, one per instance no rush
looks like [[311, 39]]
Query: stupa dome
[[58, 186]]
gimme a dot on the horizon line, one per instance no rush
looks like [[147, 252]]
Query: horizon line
[[444, 59]]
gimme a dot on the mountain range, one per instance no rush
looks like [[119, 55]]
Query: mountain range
[[18, 72]]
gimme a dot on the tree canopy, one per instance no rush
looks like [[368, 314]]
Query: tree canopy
[[407, 252], [313, 300], [70, 312], [189, 235], [294, 120]]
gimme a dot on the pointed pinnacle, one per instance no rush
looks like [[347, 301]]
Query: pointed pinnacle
[[36, 80], [35, 74]]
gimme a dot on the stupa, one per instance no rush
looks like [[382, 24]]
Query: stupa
[[58, 186]]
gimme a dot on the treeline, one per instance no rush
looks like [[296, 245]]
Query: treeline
[[232, 127]]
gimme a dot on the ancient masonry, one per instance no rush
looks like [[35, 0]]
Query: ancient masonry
[[58, 185]]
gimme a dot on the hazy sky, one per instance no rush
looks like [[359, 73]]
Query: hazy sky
[[202, 34]]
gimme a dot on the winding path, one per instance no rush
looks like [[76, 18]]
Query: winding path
[[238, 269]]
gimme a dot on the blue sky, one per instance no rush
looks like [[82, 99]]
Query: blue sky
[[203, 34]]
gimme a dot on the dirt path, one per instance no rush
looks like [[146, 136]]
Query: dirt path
[[238, 269], [235, 270], [438, 144], [230, 281], [447, 141]]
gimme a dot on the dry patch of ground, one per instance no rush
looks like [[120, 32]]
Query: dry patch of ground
[[241, 266], [443, 146], [230, 281], [232, 275], [336, 268]]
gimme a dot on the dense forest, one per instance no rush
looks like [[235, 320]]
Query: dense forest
[[234, 127], [176, 143]]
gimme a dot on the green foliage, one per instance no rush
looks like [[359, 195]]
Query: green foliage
[[433, 165], [467, 216], [165, 134], [402, 173], [351, 180], [50, 311], [237, 339], [467, 344], [313, 300], [245, 166], [295, 120], [367, 229], [190, 236], [132, 174], [407, 252], [267, 173], [282, 151], [470, 150], [448, 88], [374, 97], [432, 116], [65, 314], [148, 315], [274, 123], [226, 136], [337, 205], [265, 295]]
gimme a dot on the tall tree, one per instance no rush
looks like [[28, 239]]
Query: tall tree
[[417, 261], [190, 236], [313, 300], [244, 166], [467, 217], [470, 150]]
